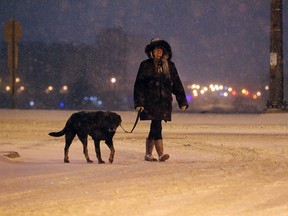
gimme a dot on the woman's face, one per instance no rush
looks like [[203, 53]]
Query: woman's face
[[158, 52]]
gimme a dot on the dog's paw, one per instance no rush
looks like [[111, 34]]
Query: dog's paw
[[89, 161], [110, 161], [66, 161], [101, 162]]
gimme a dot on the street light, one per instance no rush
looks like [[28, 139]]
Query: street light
[[113, 80]]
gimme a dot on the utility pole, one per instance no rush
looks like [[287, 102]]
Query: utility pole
[[12, 34], [275, 102]]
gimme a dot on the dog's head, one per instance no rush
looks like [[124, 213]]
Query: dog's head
[[114, 120]]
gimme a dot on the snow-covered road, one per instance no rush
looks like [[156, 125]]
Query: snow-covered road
[[219, 165]]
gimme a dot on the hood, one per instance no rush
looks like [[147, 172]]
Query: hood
[[161, 44]]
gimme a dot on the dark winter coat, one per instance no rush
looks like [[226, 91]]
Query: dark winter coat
[[153, 90]]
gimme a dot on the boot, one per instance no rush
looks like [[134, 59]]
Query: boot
[[160, 149], [149, 149]]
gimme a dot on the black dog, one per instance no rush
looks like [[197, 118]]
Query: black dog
[[99, 125]]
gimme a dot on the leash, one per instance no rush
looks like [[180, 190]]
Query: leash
[[136, 121]]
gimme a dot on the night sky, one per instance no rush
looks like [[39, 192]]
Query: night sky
[[212, 40]]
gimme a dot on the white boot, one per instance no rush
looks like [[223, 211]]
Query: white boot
[[160, 149], [149, 149]]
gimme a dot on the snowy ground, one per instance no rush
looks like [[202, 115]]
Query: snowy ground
[[219, 165]]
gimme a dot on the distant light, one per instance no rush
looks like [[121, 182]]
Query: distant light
[[254, 96], [212, 87], [267, 87], [189, 98], [113, 80], [258, 94], [234, 92], [205, 89], [202, 92], [65, 88], [93, 98], [193, 86], [17, 80], [22, 88], [244, 91], [230, 89], [223, 94], [61, 104], [8, 88], [49, 89], [100, 102], [31, 103]]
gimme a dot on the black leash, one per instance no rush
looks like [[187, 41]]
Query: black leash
[[137, 119]]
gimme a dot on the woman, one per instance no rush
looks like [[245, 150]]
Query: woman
[[156, 81]]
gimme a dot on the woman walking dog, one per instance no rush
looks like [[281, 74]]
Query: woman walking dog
[[156, 81]]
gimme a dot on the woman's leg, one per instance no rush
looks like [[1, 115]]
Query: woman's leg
[[155, 132], [156, 135]]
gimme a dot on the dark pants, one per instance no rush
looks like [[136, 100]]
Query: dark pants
[[155, 130]]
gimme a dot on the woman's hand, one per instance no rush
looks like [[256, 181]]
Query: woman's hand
[[139, 109], [184, 108]]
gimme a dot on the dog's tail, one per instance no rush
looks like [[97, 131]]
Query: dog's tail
[[58, 134]]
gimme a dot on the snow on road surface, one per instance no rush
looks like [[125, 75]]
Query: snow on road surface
[[219, 165]]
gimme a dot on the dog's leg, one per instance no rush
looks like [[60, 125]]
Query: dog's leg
[[68, 140], [85, 148], [97, 150], [109, 143]]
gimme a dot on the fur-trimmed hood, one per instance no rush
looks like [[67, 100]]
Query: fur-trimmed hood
[[167, 52]]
